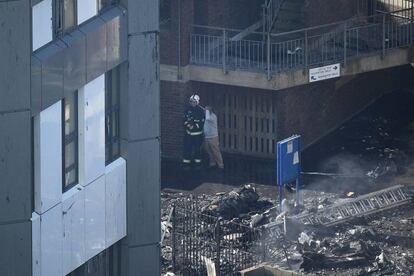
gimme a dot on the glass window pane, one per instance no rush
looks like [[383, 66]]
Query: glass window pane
[[69, 13], [115, 86], [70, 141], [112, 114], [58, 17], [70, 177], [70, 155], [115, 124], [107, 125], [115, 148], [107, 152], [108, 89], [70, 116]]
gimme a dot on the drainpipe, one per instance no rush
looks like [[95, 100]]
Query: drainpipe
[[179, 76]]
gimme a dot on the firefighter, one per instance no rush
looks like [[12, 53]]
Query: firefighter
[[194, 117]]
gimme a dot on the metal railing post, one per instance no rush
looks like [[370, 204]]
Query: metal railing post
[[217, 238], [268, 56], [306, 49], [345, 44], [411, 22], [383, 36], [264, 22], [224, 51], [174, 248]]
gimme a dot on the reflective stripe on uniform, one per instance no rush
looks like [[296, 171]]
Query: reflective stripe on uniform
[[186, 161], [197, 160], [194, 133]]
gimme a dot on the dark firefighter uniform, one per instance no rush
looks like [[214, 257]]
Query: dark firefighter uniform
[[193, 138]]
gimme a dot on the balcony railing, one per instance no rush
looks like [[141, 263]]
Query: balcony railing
[[301, 49]]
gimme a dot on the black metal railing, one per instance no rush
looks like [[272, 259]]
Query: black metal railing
[[300, 49], [199, 239]]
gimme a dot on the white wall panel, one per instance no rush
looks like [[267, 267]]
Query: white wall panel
[[95, 217], [86, 9], [92, 130], [51, 241], [73, 206], [48, 158], [115, 179], [36, 245], [42, 28]]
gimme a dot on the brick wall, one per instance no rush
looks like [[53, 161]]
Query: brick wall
[[174, 97], [237, 14], [329, 103], [169, 33], [229, 13]]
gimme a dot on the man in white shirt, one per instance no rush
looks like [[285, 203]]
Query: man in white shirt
[[211, 139]]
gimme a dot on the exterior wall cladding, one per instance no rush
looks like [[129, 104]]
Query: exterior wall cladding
[[52, 234], [311, 110]]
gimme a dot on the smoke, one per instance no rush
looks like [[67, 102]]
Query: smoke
[[347, 173]]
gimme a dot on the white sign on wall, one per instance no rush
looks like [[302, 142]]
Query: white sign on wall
[[325, 72]]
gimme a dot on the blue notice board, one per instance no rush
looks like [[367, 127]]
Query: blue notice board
[[288, 163]]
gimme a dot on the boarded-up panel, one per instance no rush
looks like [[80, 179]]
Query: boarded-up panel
[[247, 122]]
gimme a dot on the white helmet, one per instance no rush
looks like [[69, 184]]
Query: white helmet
[[195, 98]]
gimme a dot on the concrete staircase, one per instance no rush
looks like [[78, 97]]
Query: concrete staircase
[[401, 9]]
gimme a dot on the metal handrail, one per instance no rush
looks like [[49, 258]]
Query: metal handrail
[[312, 28], [300, 49]]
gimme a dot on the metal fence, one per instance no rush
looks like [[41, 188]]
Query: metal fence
[[300, 49], [198, 237]]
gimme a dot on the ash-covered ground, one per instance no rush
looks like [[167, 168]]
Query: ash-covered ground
[[370, 152]]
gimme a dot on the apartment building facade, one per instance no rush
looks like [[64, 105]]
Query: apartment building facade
[[80, 178]]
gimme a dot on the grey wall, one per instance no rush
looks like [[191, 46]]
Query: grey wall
[[15, 139], [140, 134]]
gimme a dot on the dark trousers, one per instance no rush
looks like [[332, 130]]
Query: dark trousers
[[192, 149]]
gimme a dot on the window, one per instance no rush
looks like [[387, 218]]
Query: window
[[70, 141], [112, 141], [65, 16], [108, 262], [42, 27]]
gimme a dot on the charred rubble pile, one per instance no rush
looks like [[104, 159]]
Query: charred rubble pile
[[360, 249], [373, 140], [239, 210], [376, 245]]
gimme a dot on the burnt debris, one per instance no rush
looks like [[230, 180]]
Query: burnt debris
[[239, 229]]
